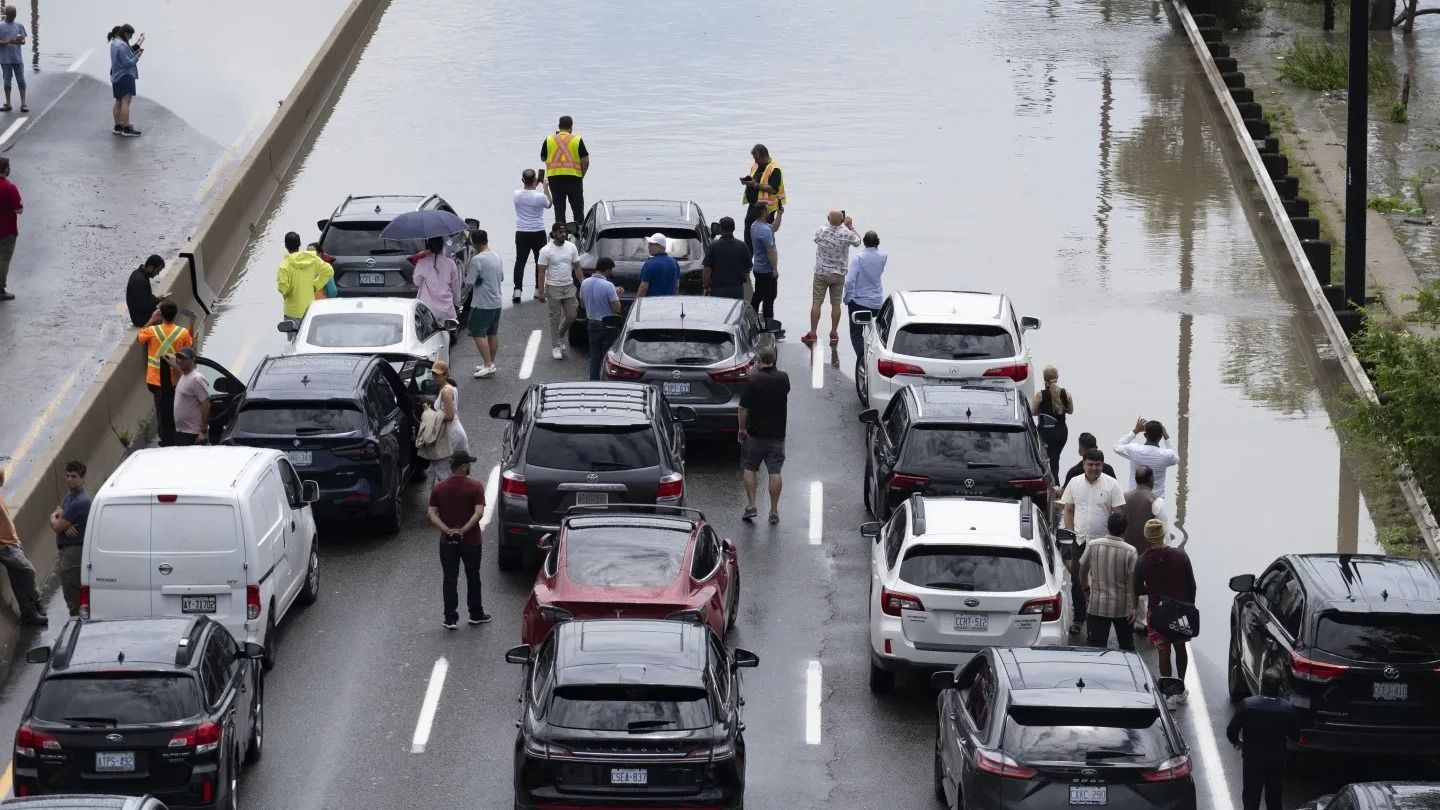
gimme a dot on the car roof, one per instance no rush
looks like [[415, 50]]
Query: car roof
[[630, 521], [152, 642], [214, 468], [1370, 583], [308, 376], [699, 312], [1401, 795], [639, 213], [1062, 670], [625, 651], [379, 305], [950, 306], [977, 402], [371, 207], [594, 403], [972, 520], [78, 801]]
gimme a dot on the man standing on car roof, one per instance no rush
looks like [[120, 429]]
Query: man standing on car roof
[[457, 505], [660, 275], [762, 417], [765, 184], [1262, 726], [68, 522], [17, 565], [727, 264], [601, 299], [566, 162]]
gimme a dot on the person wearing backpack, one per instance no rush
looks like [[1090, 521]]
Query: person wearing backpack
[[1164, 575]]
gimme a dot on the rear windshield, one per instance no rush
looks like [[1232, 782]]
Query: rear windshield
[[624, 556], [363, 239], [962, 568], [686, 347], [945, 341], [1382, 637], [117, 699], [1097, 736], [300, 419], [629, 708], [948, 452], [355, 330], [632, 245], [592, 449], [183, 527]]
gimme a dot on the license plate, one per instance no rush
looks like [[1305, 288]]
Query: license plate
[[591, 498], [114, 761], [300, 458], [197, 604], [1392, 691], [1089, 795], [971, 621], [372, 279], [675, 389], [629, 776]]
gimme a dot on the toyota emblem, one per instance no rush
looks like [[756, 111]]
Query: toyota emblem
[[370, 262], [675, 374], [592, 477], [969, 483], [114, 738], [972, 603], [1390, 673], [166, 569]]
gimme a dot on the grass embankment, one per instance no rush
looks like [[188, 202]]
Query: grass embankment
[[1315, 64]]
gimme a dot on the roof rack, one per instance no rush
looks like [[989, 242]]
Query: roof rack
[[189, 645], [65, 646], [917, 514], [661, 510], [1027, 518]]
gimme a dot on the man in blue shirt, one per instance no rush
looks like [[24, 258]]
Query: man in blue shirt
[[68, 522], [12, 61], [765, 264], [660, 275], [599, 297], [863, 290]]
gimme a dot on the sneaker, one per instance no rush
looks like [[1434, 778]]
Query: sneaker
[[834, 338], [808, 338], [557, 353], [487, 371], [515, 299], [1074, 628], [749, 514], [449, 625], [1170, 702], [130, 132], [774, 518], [1179, 700], [5, 296], [119, 130], [484, 618]]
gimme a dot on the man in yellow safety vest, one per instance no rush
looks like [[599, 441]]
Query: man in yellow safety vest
[[162, 338], [566, 162], [765, 183]]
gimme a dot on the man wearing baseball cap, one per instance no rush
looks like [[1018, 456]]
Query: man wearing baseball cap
[[1164, 573], [192, 401], [456, 506], [660, 275]]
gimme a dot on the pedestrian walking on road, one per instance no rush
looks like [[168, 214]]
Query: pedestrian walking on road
[[447, 402], [600, 298], [765, 263], [68, 522], [124, 73], [139, 298], [559, 281], [1084, 444], [727, 264], [302, 274], [832, 259], [1089, 501], [764, 186], [192, 401], [18, 567], [566, 162], [457, 505], [660, 274], [1054, 402], [161, 338], [486, 272], [1261, 728], [1155, 452], [11, 207], [12, 61], [864, 291], [1141, 506], [437, 280], [1107, 569], [530, 204], [1164, 574], [762, 417]]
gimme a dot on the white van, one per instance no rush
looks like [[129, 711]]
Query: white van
[[221, 531]]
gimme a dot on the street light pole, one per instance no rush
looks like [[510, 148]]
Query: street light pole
[[1356, 153]]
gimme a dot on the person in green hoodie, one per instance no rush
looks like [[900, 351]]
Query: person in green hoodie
[[302, 274]]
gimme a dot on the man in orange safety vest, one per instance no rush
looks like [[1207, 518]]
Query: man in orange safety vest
[[566, 162]]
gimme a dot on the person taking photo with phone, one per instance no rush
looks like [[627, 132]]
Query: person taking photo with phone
[[124, 73]]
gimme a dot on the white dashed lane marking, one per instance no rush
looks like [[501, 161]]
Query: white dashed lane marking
[[532, 347], [428, 706]]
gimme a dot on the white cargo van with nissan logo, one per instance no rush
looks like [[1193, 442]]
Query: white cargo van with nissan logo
[[220, 531]]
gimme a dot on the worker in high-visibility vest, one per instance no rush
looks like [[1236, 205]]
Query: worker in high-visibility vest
[[162, 338], [764, 184], [566, 162]]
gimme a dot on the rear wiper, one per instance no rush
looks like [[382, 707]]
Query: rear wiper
[[386, 252], [641, 725], [689, 361], [968, 355], [1091, 755], [950, 586], [608, 465], [981, 465], [94, 721]]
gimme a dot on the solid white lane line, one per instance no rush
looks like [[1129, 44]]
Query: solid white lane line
[[817, 367], [532, 347], [1206, 750], [817, 512], [492, 489], [812, 704], [78, 63], [427, 708], [13, 128]]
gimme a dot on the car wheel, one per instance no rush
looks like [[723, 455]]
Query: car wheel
[[865, 485], [311, 591], [272, 641], [256, 746], [507, 555], [1234, 677], [862, 382], [881, 681], [939, 769]]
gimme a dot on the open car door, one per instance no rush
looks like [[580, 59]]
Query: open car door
[[226, 391]]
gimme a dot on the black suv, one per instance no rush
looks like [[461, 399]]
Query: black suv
[[645, 712], [579, 444], [1057, 727], [1381, 796], [346, 421], [168, 707], [618, 230], [366, 265], [973, 438], [1358, 638]]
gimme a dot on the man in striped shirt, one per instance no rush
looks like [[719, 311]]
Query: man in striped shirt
[[1107, 569]]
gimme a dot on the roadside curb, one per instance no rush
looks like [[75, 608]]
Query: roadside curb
[[1278, 191]]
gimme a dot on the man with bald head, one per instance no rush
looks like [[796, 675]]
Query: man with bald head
[[832, 257]]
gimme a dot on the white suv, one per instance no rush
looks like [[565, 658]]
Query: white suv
[[952, 576], [928, 336]]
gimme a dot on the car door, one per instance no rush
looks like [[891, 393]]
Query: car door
[[887, 552], [385, 417], [219, 673], [885, 446], [226, 391], [1259, 620], [434, 341], [877, 339], [708, 574], [294, 559], [972, 719]]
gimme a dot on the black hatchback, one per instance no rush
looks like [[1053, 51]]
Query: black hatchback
[[630, 713], [1357, 637], [168, 707], [971, 439]]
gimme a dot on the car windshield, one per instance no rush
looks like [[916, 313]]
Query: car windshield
[[1035, 734], [630, 708], [355, 330], [972, 568], [119, 699], [688, 347], [588, 448], [631, 245], [951, 341], [624, 556], [1379, 637], [948, 452], [300, 418], [363, 239]]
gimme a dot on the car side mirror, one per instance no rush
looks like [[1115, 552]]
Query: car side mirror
[[870, 416], [683, 413], [944, 679], [37, 655], [1242, 583], [546, 542], [289, 326], [729, 546], [223, 386], [744, 658], [612, 321], [871, 530], [449, 324], [251, 651], [1065, 535], [472, 223], [861, 317], [501, 410], [322, 224], [1027, 323], [519, 654], [309, 491], [772, 326]]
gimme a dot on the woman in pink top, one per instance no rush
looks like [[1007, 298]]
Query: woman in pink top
[[437, 280]]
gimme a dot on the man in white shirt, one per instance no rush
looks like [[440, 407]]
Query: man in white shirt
[[530, 205], [1089, 500], [559, 278], [1155, 453]]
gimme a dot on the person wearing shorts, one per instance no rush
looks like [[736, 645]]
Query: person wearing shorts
[[832, 258], [485, 271], [12, 61], [124, 72], [761, 431]]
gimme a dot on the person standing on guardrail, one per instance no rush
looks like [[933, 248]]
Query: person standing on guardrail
[[486, 272], [139, 298], [559, 281], [863, 289], [11, 206], [567, 160], [600, 297], [192, 402], [124, 73], [18, 567], [727, 264], [12, 61], [457, 505], [530, 205], [302, 273], [68, 522], [762, 416], [832, 259]]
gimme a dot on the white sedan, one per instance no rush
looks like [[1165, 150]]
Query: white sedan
[[397, 329]]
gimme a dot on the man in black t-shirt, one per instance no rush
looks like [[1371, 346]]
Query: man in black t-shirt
[[762, 429], [1085, 442], [138, 298], [727, 264]]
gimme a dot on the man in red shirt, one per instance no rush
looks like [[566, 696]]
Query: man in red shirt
[[457, 504], [10, 208]]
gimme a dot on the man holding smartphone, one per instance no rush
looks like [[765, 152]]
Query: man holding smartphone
[[457, 505], [764, 184]]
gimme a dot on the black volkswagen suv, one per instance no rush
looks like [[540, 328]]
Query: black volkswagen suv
[[973, 438], [630, 713], [579, 444], [366, 265], [168, 707], [1357, 637]]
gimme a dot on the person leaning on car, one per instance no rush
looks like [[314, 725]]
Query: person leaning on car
[[727, 264]]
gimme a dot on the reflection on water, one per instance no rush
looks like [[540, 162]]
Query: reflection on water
[[1102, 211], [35, 34]]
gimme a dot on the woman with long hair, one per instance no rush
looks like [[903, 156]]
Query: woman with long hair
[[124, 72], [447, 402], [1055, 402]]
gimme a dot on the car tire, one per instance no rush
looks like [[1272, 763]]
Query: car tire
[[272, 641], [881, 681], [1234, 678], [255, 747], [507, 556], [939, 769], [311, 591], [862, 382]]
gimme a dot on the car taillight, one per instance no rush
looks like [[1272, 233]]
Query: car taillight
[[207, 791], [555, 615], [84, 601], [1170, 770], [1029, 484], [893, 368], [28, 739], [671, 486], [252, 603], [903, 481], [1048, 608], [616, 371], [536, 748], [1315, 670], [204, 738], [994, 762], [367, 450], [892, 602], [513, 484], [1017, 372], [740, 373]]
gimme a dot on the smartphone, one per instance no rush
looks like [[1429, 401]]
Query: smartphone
[[844, 215], [542, 174]]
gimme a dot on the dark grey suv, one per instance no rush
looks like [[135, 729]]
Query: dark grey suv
[[581, 444], [365, 264], [618, 230]]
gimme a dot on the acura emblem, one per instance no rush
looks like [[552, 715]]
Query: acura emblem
[[972, 603], [113, 738], [1390, 673], [370, 262], [165, 569], [592, 477], [969, 483], [675, 374], [954, 370]]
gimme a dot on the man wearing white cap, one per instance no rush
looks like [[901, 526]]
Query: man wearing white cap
[[660, 274]]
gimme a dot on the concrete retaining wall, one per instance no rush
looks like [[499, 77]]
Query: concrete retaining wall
[[118, 401]]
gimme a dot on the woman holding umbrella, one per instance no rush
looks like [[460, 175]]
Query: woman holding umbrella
[[437, 280]]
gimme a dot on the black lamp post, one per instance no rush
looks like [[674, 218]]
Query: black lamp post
[[1356, 141]]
